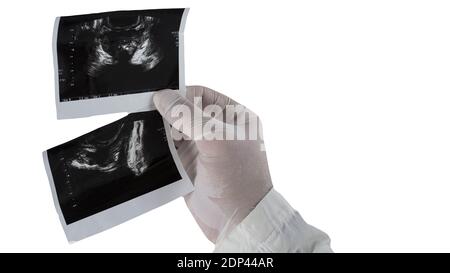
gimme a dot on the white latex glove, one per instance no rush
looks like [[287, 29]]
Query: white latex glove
[[230, 176]]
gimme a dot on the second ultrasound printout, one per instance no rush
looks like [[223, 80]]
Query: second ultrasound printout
[[114, 173]]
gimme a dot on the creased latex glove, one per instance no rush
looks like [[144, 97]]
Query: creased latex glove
[[230, 176]]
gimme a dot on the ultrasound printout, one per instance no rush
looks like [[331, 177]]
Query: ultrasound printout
[[113, 61], [114, 173]]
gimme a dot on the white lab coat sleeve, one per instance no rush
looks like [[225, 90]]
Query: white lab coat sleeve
[[274, 226]]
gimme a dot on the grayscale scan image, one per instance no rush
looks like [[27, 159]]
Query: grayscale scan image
[[117, 53], [111, 165]]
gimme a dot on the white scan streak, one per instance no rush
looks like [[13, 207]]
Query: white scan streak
[[135, 155]]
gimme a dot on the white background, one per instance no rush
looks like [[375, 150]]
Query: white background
[[354, 97]]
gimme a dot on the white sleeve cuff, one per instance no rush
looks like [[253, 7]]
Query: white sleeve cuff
[[274, 226]]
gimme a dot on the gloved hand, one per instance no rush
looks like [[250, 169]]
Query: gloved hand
[[230, 176]]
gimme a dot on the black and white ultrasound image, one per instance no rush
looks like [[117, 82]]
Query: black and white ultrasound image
[[111, 165], [118, 53]]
